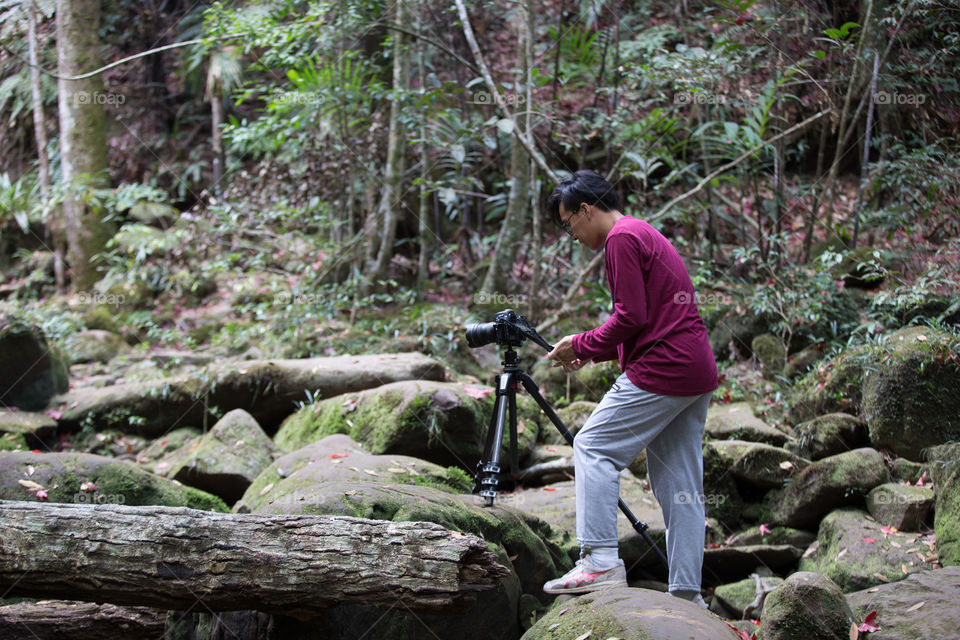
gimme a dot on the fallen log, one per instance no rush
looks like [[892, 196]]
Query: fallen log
[[79, 621], [175, 558]]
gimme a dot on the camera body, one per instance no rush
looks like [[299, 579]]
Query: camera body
[[508, 329]]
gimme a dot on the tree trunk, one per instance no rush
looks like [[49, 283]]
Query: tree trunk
[[173, 557], [83, 141], [515, 220], [79, 621], [40, 134], [392, 198], [219, 159]]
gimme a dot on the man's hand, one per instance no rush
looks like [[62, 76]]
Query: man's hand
[[564, 356]]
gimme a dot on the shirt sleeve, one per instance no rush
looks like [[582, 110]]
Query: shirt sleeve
[[627, 287]]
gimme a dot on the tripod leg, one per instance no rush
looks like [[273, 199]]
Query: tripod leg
[[488, 469], [638, 526]]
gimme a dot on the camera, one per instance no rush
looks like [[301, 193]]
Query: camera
[[508, 329]]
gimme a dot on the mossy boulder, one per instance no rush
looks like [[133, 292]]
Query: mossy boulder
[[26, 429], [732, 335], [727, 563], [833, 385], [442, 422], [828, 435], [338, 458], [725, 502], [856, 553], [826, 484], [902, 506], [770, 355], [573, 416], [945, 467], [67, 477], [31, 370], [904, 470], [624, 612], [736, 597], [807, 606], [911, 396], [736, 421], [228, 458], [760, 465], [898, 615], [588, 384], [166, 453], [94, 345]]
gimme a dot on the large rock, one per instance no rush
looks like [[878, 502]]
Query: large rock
[[437, 421], [833, 385], [828, 435], [26, 430], [629, 613], [758, 464], [856, 553], [88, 478], [911, 397], [723, 564], [945, 466], [228, 458], [736, 421], [725, 503], [94, 345], [898, 613], [772, 535], [740, 598], [573, 416], [266, 389], [338, 458], [807, 606], [825, 485], [902, 506], [31, 370], [589, 384]]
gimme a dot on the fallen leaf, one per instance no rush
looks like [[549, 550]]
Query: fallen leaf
[[585, 636], [338, 455], [349, 493], [30, 469], [764, 530], [396, 470], [842, 553], [551, 449], [874, 590], [350, 404], [354, 469], [881, 577], [896, 544], [30, 485], [915, 607], [549, 489], [563, 611], [42, 494], [786, 464], [265, 489], [479, 393], [553, 626], [903, 568], [89, 487], [868, 540], [161, 466], [371, 472], [920, 481], [53, 413], [336, 462], [869, 624]]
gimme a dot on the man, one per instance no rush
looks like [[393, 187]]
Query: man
[[660, 401]]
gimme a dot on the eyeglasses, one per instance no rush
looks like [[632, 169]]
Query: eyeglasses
[[565, 224]]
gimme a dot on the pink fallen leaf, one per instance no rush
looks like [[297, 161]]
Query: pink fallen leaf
[[338, 455], [920, 481], [479, 393], [888, 529], [551, 449], [53, 413], [764, 530], [868, 540], [869, 623], [549, 489], [42, 494]]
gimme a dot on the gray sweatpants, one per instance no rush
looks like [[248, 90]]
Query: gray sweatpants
[[670, 428]]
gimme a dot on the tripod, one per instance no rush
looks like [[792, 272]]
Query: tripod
[[487, 477]]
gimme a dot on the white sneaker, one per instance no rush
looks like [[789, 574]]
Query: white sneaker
[[585, 577]]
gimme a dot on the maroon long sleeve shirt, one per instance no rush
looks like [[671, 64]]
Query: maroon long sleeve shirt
[[655, 331]]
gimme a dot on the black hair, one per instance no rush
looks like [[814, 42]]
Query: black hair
[[583, 186]]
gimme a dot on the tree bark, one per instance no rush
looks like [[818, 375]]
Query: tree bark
[[79, 621], [83, 141], [173, 558]]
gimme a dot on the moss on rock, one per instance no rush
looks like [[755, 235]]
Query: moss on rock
[[945, 466], [807, 606], [833, 385]]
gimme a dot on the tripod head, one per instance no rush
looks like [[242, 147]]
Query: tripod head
[[508, 329]]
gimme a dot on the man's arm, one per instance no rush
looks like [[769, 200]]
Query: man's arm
[[629, 303]]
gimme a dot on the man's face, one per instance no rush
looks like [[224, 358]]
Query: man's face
[[578, 225]]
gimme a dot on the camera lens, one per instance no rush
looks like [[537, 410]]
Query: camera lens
[[481, 333]]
